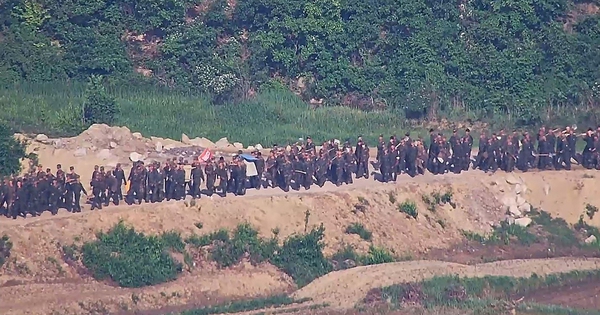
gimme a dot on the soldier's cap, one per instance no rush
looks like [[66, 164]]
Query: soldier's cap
[[308, 137], [58, 166], [431, 130], [454, 131], [221, 158], [467, 130], [590, 129], [407, 134], [71, 168], [381, 135]]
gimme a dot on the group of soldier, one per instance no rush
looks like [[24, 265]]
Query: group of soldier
[[297, 166]]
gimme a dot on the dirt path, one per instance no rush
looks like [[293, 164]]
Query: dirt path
[[343, 289]]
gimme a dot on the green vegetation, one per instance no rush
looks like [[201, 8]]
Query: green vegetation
[[409, 208], [421, 59], [11, 152], [503, 234], [360, 230], [468, 292], [132, 259], [245, 305], [5, 247], [347, 257], [590, 210], [436, 198]]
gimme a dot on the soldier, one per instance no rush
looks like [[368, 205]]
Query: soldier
[[256, 181], [76, 190], [53, 196], [588, 151], [482, 148], [321, 169], [287, 170], [310, 145], [154, 177], [98, 188], [362, 159], [197, 178], [187, 169], [179, 183], [120, 176], [222, 174], [411, 159], [136, 178], [241, 178], [467, 148], [211, 175], [563, 152], [113, 187]]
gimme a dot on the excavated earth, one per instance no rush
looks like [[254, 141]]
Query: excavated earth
[[37, 280]]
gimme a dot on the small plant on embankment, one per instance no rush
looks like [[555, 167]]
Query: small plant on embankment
[[360, 230], [347, 257], [468, 292], [437, 198], [409, 208], [504, 234], [5, 247]]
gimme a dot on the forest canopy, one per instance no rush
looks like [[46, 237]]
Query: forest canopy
[[524, 58]]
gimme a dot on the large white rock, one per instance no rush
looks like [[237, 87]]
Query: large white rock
[[238, 145], [80, 152], [137, 135], [509, 200], [158, 147], [104, 154], [258, 146], [185, 139], [524, 222], [590, 239], [112, 145], [514, 211], [41, 137], [134, 156], [202, 142], [524, 208]]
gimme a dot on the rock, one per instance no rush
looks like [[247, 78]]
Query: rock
[[137, 135], [512, 180], [80, 152], [202, 142], [590, 240], [112, 145], [41, 137], [520, 201], [222, 143], [546, 188], [251, 148], [524, 222], [185, 139], [514, 211], [134, 156], [258, 146], [524, 208], [238, 145], [104, 154], [158, 147]]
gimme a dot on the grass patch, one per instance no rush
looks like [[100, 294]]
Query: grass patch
[[505, 233], [245, 305], [456, 291], [347, 257], [409, 208], [360, 230], [558, 230], [437, 198], [5, 248]]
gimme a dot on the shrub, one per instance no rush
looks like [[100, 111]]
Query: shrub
[[11, 152], [5, 247], [410, 208], [301, 257], [377, 255], [245, 240], [360, 230], [131, 259]]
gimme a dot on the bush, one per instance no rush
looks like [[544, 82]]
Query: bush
[[228, 252], [11, 152], [301, 257], [131, 259], [410, 208], [377, 255], [5, 247], [360, 230]]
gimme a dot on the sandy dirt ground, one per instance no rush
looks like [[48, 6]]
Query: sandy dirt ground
[[37, 272]]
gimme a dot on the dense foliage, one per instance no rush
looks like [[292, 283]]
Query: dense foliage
[[523, 58], [129, 258], [11, 152]]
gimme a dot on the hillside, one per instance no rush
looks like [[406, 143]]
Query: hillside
[[522, 61]]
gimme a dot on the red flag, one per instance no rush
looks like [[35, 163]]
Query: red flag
[[205, 156]]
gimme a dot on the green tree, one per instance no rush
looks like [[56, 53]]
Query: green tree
[[12, 152], [99, 106]]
